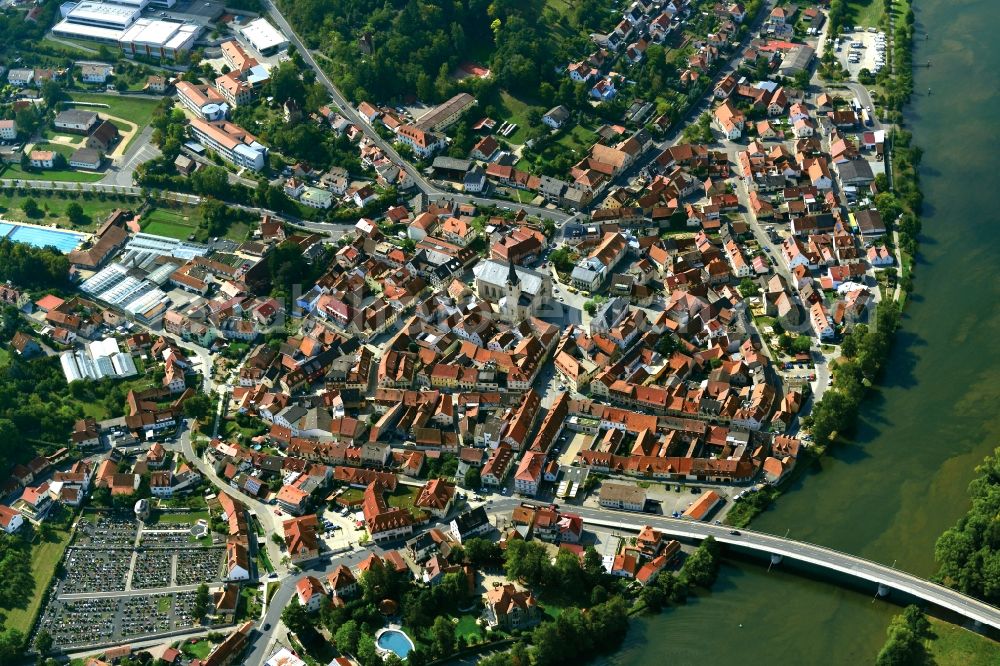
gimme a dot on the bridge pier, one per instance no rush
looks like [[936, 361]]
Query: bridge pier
[[883, 591], [775, 559]]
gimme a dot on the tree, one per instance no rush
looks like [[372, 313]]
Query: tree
[[748, 287], [347, 636], [443, 637], [278, 540], [295, 616], [376, 583], [52, 93], [472, 478], [30, 208], [285, 84], [367, 654], [702, 566], [802, 344], [211, 181], [43, 642], [201, 601], [905, 640], [74, 212], [11, 644], [482, 552], [198, 407]]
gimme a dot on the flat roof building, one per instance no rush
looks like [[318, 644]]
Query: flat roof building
[[158, 39], [100, 21], [263, 36]]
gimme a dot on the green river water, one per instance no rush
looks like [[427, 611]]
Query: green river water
[[890, 493]]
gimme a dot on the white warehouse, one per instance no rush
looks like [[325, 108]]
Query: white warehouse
[[99, 359]]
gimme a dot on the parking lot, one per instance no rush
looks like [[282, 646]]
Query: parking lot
[[861, 49]]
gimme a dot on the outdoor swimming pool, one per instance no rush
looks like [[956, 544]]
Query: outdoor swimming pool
[[64, 241], [395, 641]]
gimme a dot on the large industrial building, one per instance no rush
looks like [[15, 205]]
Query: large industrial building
[[158, 39], [119, 22], [133, 283]]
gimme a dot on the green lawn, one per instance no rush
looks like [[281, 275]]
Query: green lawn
[[579, 139], [404, 497], [4, 356], [352, 495], [516, 112], [45, 556], [192, 517], [179, 223], [54, 207], [183, 222], [15, 172], [467, 626], [134, 109], [79, 48], [198, 649], [163, 605], [864, 12], [955, 646], [96, 408]]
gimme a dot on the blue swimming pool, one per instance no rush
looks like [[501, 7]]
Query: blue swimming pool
[[65, 241], [396, 641]]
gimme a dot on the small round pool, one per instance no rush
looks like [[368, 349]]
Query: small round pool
[[394, 641]]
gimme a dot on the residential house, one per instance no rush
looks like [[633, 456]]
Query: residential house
[[302, 538], [310, 592], [436, 497], [470, 524], [508, 608]]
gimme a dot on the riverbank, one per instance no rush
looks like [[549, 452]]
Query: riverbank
[[888, 491], [866, 349]]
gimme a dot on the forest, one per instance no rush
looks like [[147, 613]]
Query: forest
[[969, 552], [418, 44]]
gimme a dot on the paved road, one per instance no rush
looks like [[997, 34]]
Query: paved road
[[259, 649], [122, 170], [136, 592], [705, 104], [344, 108], [348, 111], [878, 574]]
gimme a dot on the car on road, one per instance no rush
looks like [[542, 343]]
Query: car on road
[[267, 626], [734, 532]]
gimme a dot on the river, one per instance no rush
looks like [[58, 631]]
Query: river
[[888, 494]]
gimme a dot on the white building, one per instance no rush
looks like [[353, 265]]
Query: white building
[[100, 21], [97, 360], [264, 37], [158, 39], [315, 197], [95, 72], [232, 142]]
